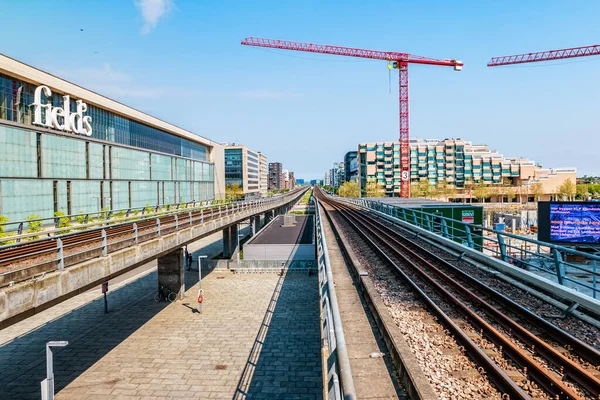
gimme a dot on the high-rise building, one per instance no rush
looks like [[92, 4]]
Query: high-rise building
[[339, 174], [457, 163], [263, 174], [286, 179], [241, 167], [67, 149], [327, 178], [292, 180], [276, 181], [351, 166]]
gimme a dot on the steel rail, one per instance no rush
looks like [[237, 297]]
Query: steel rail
[[570, 368], [549, 382], [497, 375], [582, 349]]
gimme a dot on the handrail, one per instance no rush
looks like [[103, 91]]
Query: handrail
[[153, 230], [336, 342], [546, 258], [126, 219]]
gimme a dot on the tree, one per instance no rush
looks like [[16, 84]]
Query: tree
[[444, 190], [374, 188], [233, 191], [349, 189], [482, 192], [581, 191], [510, 193], [567, 189], [537, 189]]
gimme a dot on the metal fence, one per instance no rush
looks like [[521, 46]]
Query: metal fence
[[28, 230], [338, 381], [62, 250], [568, 267]]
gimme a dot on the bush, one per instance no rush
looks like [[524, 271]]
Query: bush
[[3, 233], [63, 222], [34, 226]]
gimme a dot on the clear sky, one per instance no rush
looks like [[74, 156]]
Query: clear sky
[[181, 60]]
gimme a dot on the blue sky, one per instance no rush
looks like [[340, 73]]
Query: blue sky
[[181, 60]]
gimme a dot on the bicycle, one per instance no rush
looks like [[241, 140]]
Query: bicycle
[[164, 293]]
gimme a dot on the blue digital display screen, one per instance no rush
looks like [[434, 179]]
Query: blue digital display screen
[[575, 222]]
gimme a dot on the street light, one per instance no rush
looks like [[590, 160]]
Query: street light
[[239, 236], [48, 383], [200, 290]]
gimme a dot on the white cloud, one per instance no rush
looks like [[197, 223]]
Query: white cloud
[[266, 95], [152, 11]]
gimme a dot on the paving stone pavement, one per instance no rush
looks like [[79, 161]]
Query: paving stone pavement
[[262, 329]]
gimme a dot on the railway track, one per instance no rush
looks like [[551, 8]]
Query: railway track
[[25, 260], [498, 334]]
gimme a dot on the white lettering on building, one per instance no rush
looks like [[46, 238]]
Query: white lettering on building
[[61, 117]]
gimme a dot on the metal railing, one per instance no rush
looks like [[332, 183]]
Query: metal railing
[[80, 222], [338, 381], [566, 266], [60, 251]]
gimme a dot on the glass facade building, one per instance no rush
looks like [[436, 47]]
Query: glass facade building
[[242, 166], [124, 163]]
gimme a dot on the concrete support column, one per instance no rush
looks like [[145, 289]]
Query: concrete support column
[[226, 243], [255, 224], [234, 240], [268, 216], [171, 272]]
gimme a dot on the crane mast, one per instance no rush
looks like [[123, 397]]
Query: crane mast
[[400, 61]]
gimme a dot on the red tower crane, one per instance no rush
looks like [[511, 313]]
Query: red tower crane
[[546, 55], [400, 61]]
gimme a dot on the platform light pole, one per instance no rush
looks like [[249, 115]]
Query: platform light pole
[[48, 383], [200, 290]]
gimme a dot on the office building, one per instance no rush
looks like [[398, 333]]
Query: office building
[[66, 149], [300, 181], [242, 167], [338, 175], [351, 166], [263, 174], [457, 163], [276, 180]]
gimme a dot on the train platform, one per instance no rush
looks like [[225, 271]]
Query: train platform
[[370, 362], [257, 338]]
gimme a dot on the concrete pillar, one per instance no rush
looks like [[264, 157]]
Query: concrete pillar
[[171, 272], [268, 216], [255, 224], [233, 235], [226, 243]]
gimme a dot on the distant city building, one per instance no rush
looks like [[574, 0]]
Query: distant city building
[[291, 180], [327, 179], [241, 167], [315, 182], [300, 181], [286, 179], [339, 174], [456, 162], [351, 166], [263, 174], [276, 181]]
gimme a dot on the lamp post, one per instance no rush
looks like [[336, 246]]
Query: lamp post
[[239, 236], [48, 383]]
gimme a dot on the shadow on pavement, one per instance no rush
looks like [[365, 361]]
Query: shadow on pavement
[[91, 335], [285, 360]]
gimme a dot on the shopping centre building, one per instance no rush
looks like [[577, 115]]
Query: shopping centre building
[[67, 149]]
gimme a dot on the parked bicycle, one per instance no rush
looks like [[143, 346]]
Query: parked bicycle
[[164, 293]]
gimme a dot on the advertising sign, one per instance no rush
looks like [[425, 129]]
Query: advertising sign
[[569, 222], [468, 216]]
